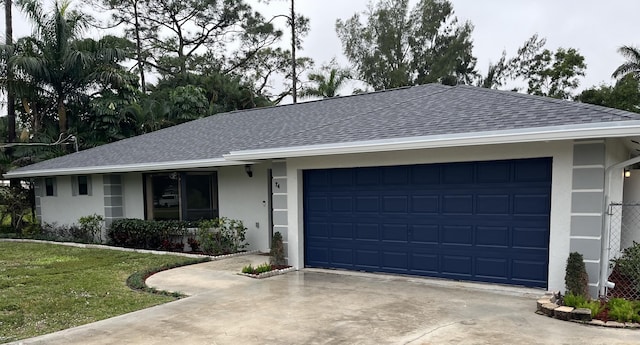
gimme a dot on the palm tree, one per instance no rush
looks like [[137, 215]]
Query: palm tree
[[328, 81], [11, 112], [57, 64], [631, 66]]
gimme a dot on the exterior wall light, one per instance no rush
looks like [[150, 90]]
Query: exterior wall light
[[247, 169], [627, 173]]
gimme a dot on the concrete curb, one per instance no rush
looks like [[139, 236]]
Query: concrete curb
[[547, 305], [122, 249]]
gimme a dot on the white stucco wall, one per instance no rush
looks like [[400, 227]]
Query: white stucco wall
[[247, 199], [561, 152], [133, 196], [66, 209]]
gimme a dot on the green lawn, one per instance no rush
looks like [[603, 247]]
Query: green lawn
[[46, 288]]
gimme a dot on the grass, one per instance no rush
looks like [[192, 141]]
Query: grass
[[45, 287]]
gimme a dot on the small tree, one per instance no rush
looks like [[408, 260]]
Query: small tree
[[576, 278], [277, 250]]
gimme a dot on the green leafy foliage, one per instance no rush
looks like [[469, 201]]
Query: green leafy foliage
[[596, 307], [622, 310], [276, 254], [92, 227], [395, 46], [262, 268], [572, 300], [628, 264], [222, 236], [327, 82], [576, 278], [624, 95], [148, 234]]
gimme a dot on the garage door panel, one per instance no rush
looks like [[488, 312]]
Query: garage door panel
[[395, 204], [457, 204], [426, 204], [493, 204], [397, 175], [494, 268], [425, 234], [457, 235], [367, 259], [531, 204], [367, 232], [461, 173], [458, 265], [342, 231], [493, 172], [530, 238], [493, 236], [425, 174], [479, 221], [425, 263], [367, 204], [397, 260]]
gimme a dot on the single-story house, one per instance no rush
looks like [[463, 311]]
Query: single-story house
[[456, 182]]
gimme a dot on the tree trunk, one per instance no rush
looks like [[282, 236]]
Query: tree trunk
[[294, 77], [143, 85], [11, 111], [62, 116]]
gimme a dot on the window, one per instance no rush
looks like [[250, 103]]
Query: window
[[50, 186], [181, 196], [81, 185]]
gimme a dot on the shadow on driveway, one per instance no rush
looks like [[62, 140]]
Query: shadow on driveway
[[326, 307]]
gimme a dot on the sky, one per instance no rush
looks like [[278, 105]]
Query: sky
[[596, 28]]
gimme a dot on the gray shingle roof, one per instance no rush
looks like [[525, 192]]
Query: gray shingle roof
[[425, 110]]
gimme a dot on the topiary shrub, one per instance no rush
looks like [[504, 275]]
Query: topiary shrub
[[277, 250], [576, 279]]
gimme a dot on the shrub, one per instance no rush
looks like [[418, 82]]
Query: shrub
[[222, 236], [262, 268], [148, 234], [277, 250], [571, 300], [576, 279], [68, 233], [194, 244], [622, 310], [91, 227], [595, 306], [628, 265]]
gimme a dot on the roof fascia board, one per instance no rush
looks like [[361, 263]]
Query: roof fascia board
[[219, 162], [552, 133]]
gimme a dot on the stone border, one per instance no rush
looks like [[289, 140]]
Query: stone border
[[547, 305], [142, 251], [269, 274]]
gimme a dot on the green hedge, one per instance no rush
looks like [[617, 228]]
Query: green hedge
[[147, 234]]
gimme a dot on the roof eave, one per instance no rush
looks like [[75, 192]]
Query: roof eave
[[551, 133], [125, 168]]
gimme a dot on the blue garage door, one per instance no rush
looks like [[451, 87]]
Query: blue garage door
[[478, 221]]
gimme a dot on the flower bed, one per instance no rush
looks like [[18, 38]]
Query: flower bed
[[265, 270]]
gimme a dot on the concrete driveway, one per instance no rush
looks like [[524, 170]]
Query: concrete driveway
[[326, 307]]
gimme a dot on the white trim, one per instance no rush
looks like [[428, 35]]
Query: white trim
[[586, 214], [593, 166], [585, 237], [552, 133], [598, 190], [177, 165]]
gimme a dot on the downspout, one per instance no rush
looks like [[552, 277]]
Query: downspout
[[605, 250]]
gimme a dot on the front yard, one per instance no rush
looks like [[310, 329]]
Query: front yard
[[45, 288]]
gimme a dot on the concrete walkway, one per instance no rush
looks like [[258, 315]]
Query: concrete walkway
[[326, 307]]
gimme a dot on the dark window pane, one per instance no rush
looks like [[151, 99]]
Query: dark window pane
[[83, 185], [166, 199], [198, 193], [48, 185]]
